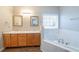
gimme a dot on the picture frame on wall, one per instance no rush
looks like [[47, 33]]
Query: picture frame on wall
[[17, 20], [34, 20]]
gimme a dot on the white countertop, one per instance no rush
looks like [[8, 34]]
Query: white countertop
[[16, 32]]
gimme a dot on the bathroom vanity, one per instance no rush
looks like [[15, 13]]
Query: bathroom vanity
[[21, 38]]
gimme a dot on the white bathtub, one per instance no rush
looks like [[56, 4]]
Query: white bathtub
[[54, 46]]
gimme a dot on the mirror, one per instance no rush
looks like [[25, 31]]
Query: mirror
[[17, 20], [34, 21]]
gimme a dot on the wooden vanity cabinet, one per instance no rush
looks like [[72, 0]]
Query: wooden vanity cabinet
[[17, 40], [6, 40]]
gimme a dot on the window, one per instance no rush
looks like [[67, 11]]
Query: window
[[50, 21]]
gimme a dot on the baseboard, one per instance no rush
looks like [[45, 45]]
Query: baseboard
[[2, 49]]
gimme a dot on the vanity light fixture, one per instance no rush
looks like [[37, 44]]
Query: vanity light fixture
[[26, 12]]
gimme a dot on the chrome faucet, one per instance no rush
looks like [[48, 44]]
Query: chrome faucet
[[67, 43], [61, 41]]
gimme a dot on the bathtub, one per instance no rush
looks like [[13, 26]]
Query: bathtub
[[55, 46]]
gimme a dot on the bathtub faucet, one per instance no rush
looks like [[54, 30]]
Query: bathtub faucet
[[61, 41], [67, 43]]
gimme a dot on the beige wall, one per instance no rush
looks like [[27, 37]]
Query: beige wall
[[5, 18], [26, 20], [36, 11], [6, 13]]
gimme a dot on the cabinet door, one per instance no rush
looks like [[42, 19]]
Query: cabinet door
[[6, 40], [14, 40], [22, 39], [36, 39], [29, 39]]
